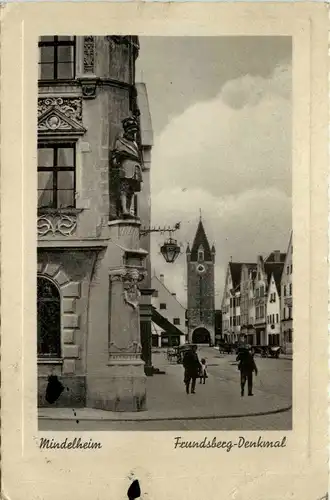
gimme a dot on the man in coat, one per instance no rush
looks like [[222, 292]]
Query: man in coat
[[192, 368], [246, 366]]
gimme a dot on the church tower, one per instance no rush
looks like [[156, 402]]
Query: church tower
[[200, 276]]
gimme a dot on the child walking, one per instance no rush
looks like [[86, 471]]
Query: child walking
[[203, 373]]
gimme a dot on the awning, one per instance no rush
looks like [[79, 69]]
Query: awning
[[165, 324]]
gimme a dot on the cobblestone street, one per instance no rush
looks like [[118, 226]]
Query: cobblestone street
[[217, 405]]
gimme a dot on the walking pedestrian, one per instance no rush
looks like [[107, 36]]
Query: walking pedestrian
[[246, 366], [203, 373], [192, 368]]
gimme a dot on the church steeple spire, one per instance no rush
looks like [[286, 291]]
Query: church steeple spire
[[201, 241]]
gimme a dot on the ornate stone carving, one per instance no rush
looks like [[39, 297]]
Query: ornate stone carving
[[131, 290], [54, 122], [89, 54], [132, 348], [57, 115], [127, 166], [128, 353], [70, 107], [88, 88], [62, 224], [130, 277], [128, 40]]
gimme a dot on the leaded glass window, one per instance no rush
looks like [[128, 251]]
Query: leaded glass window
[[48, 319]]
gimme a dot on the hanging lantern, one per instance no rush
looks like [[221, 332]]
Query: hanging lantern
[[170, 250]]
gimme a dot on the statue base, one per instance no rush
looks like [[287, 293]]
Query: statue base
[[122, 388]]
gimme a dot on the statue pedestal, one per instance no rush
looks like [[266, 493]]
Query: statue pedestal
[[122, 386], [126, 368]]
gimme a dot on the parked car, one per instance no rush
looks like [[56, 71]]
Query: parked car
[[226, 348], [275, 351], [266, 351]]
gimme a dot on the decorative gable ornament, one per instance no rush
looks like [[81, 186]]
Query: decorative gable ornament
[[53, 122]]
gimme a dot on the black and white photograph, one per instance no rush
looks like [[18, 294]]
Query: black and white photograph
[[164, 250], [165, 244]]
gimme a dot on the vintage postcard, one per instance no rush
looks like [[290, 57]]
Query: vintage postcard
[[164, 251]]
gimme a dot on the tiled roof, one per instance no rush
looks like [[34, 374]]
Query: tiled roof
[[201, 239], [271, 257], [164, 323], [235, 271], [160, 282], [276, 269]]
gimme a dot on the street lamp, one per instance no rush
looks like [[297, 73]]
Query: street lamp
[[170, 249]]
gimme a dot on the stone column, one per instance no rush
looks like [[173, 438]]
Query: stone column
[[146, 333], [126, 368]]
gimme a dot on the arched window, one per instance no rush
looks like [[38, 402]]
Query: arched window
[[200, 253], [48, 319]]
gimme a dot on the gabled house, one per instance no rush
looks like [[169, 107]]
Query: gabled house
[[231, 303], [286, 301], [225, 306], [267, 292], [273, 307], [168, 316], [260, 300], [247, 309]]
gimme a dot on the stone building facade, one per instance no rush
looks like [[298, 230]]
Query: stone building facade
[[260, 302], [286, 301], [90, 259], [144, 213], [248, 274], [273, 327], [200, 290]]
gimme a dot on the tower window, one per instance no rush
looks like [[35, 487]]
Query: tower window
[[200, 255]]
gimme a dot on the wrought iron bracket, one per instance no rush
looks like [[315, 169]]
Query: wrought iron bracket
[[161, 230]]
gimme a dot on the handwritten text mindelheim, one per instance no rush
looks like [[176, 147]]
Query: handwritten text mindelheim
[[241, 442], [67, 444]]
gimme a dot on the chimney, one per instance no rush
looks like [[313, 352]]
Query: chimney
[[277, 256], [161, 277]]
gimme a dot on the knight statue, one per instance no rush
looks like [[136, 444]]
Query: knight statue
[[127, 160]]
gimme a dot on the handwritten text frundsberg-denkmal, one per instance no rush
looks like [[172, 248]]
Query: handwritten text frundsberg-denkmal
[[241, 443]]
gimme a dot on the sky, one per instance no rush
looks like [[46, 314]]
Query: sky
[[221, 117]]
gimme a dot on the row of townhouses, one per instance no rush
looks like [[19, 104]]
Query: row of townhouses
[[257, 300]]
